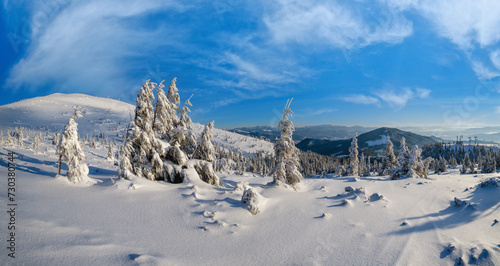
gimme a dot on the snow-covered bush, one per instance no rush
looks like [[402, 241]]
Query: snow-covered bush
[[253, 200]]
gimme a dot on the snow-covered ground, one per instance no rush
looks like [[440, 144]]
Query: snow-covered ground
[[101, 116], [141, 222]]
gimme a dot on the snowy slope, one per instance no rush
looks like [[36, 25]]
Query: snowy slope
[[141, 222], [101, 116]]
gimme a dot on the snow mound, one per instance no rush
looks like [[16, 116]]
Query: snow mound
[[494, 181], [253, 199]]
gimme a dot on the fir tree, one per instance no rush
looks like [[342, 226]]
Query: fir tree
[[287, 161], [466, 164], [353, 158], [111, 156], [205, 150], [143, 141], [182, 134], [388, 159], [164, 116], [403, 161], [71, 151]]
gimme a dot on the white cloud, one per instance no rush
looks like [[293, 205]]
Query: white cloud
[[338, 25], [394, 98], [484, 72], [495, 58], [397, 99], [471, 25], [361, 99], [463, 22], [322, 111], [422, 93], [85, 44]]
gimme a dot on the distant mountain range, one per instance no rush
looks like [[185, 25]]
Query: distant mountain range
[[328, 132], [369, 143]]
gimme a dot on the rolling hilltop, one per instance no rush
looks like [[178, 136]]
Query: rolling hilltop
[[369, 143]]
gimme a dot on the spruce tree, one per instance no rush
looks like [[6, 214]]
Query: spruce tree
[[287, 160], [71, 151], [205, 150], [388, 159], [164, 115], [466, 164], [143, 141], [353, 157]]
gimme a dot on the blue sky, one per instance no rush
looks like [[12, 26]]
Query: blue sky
[[374, 63]]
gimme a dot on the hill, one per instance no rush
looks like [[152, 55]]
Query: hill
[[370, 143], [329, 132], [101, 116]]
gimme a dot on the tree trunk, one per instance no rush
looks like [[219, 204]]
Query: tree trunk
[[59, 167]]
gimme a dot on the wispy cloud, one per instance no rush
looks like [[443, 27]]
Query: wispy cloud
[[396, 98], [360, 99], [484, 72], [85, 45], [338, 25], [471, 25], [322, 111]]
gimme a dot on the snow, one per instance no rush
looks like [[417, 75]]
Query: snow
[[143, 222], [381, 141]]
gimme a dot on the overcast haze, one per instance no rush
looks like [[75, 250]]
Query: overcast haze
[[372, 63]]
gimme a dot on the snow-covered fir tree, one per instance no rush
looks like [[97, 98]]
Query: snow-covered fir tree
[[173, 95], [143, 141], [489, 164], [182, 134], [205, 150], [404, 168], [287, 159], [71, 151], [9, 138], [149, 154], [466, 164], [164, 116], [36, 141], [353, 157], [441, 166], [389, 161], [111, 156]]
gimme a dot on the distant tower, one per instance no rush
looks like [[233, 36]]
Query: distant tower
[[475, 140]]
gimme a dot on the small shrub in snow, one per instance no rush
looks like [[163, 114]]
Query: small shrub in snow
[[459, 203], [375, 197], [253, 200], [340, 170], [349, 189], [241, 186]]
